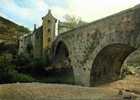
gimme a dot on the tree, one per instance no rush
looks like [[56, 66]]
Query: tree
[[73, 22], [23, 29]]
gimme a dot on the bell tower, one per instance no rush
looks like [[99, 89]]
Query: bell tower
[[49, 24]]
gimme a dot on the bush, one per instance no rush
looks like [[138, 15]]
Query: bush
[[21, 60], [19, 77], [8, 74]]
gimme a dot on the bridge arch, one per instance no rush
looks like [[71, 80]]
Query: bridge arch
[[108, 62], [61, 50], [62, 61]]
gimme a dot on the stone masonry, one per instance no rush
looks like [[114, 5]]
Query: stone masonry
[[96, 51]]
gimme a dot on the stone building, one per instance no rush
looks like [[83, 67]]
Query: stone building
[[48, 28], [41, 39], [25, 47]]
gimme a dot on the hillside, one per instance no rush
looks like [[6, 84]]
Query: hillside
[[9, 30]]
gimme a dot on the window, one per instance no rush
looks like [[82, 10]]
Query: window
[[84, 69], [49, 21], [49, 39], [49, 30], [37, 36]]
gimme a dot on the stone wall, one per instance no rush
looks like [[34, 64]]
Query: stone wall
[[37, 42], [86, 42], [25, 41], [41, 38]]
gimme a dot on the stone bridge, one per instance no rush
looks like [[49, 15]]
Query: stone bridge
[[96, 51]]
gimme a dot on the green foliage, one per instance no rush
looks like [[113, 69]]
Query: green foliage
[[29, 48], [42, 61], [21, 60], [19, 77], [22, 29], [133, 65], [8, 48], [8, 74], [39, 64], [29, 65], [129, 69]]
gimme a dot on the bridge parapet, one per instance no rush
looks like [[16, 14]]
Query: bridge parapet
[[85, 43]]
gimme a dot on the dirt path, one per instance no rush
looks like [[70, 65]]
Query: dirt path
[[128, 89]]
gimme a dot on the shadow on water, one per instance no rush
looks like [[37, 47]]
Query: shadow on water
[[60, 76]]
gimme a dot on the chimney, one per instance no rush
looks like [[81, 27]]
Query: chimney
[[34, 26]]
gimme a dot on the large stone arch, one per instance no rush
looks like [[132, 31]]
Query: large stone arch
[[107, 63], [86, 43], [62, 60]]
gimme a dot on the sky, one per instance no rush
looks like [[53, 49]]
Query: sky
[[30, 12]]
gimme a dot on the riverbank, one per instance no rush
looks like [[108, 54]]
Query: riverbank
[[120, 90]]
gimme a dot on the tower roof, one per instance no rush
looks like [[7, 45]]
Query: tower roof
[[49, 14]]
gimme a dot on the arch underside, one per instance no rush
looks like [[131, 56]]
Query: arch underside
[[107, 64], [61, 61], [61, 54]]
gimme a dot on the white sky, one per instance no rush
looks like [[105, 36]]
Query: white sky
[[90, 10]]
